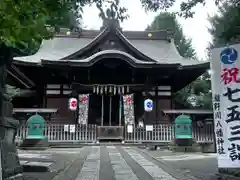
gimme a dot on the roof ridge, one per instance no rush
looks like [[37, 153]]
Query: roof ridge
[[129, 34]]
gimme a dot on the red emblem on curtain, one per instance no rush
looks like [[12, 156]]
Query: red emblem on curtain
[[84, 99], [129, 100]]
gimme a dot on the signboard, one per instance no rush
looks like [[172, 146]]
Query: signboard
[[149, 127], [72, 128], [148, 105], [66, 128], [225, 66], [130, 128], [72, 104]]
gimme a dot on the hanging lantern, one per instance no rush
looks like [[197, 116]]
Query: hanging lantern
[[72, 104], [148, 105]]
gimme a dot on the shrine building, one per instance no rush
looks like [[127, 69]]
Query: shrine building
[[109, 71]]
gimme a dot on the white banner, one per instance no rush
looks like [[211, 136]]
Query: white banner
[[66, 128], [225, 73], [72, 128], [149, 127]]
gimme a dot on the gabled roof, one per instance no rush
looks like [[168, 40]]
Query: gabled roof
[[156, 49], [57, 48]]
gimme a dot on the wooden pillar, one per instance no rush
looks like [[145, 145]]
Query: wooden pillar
[[102, 113], [45, 96], [110, 110], [40, 90], [120, 110], [76, 113], [156, 104]]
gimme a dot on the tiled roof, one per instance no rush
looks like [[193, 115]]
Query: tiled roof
[[56, 49], [162, 52], [158, 48]]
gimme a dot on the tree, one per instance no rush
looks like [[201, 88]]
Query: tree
[[202, 89], [185, 6], [168, 21], [225, 26], [195, 94]]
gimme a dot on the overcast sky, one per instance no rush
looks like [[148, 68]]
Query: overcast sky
[[195, 28]]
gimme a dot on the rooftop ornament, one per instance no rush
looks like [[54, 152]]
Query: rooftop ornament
[[68, 33], [149, 35]]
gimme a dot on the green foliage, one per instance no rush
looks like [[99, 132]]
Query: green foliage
[[202, 89], [197, 90], [22, 22], [225, 26], [168, 21], [186, 7]]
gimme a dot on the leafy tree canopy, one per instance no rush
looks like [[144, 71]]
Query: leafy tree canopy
[[168, 21], [23, 23], [195, 94], [225, 26], [186, 7]]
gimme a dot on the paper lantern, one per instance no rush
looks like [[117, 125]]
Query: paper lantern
[[72, 104]]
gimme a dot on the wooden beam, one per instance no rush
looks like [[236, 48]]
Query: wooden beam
[[17, 78], [20, 74]]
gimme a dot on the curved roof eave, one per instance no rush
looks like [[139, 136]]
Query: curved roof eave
[[25, 63], [97, 39], [105, 55], [203, 65]]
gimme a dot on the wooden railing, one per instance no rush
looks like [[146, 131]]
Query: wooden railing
[[88, 133]]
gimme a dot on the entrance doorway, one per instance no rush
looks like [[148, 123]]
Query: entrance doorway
[[110, 108], [105, 110]]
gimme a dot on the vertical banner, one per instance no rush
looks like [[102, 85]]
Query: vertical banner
[[83, 108], [225, 66], [128, 106]]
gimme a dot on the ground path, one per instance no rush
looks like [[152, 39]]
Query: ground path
[[99, 163], [200, 165]]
